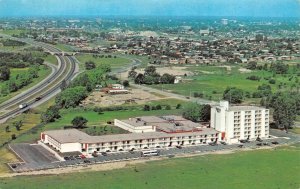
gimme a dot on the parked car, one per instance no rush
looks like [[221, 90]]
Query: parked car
[[275, 142]]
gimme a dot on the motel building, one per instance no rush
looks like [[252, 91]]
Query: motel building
[[148, 132], [240, 122], [230, 124]]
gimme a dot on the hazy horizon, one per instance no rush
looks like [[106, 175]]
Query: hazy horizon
[[172, 8]]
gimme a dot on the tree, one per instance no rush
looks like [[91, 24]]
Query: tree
[[167, 79], [146, 108], [13, 137], [251, 65], [279, 68], [63, 85], [233, 95], [285, 109], [150, 70], [51, 114], [89, 65], [139, 79], [7, 129], [132, 73], [205, 113], [192, 112], [4, 73], [178, 106], [158, 107], [79, 122], [126, 83], [18, 125]]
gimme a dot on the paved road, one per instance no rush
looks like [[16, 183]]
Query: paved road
[[46, 89]]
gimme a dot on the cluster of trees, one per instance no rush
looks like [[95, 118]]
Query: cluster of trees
[[13, 43], [76, 91], [286, 107], [19, 81], [233, 95], [150, 76], [276, 67], [89, 65], [159, 107], [18, 60], [196, 112], [262, 91], [4, 73]]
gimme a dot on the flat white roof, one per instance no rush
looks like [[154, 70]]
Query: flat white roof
[[76, 136]]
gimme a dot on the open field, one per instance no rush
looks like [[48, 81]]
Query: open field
[[135, 96], [43, 73], [64, 47], [115, 63], [12, 31], [212, 81], [248, 169], [51, 59]]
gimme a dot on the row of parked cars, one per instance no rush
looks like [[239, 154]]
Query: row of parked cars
[[74, 157]]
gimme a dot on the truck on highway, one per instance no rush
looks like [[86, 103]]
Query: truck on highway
[[22, 106]]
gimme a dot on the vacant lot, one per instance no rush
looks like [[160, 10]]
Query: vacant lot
[[135, 96], [211, 81], [115, 63], [253, 169]]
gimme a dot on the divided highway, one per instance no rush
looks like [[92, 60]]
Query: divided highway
[[67, 69]]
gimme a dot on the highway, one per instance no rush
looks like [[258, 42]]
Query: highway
[[46, 89]]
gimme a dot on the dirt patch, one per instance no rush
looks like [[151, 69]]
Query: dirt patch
[[244, 70], [135, 96], [228, 68]]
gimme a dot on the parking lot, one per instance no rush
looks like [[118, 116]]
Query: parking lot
[[36, 158]]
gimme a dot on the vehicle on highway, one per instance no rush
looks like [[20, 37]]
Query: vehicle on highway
[[224, 143], [179, 147], [275, 142], [266, 144], [149, 153], [240, 146], [259, 144], [38, 98], [104, 153], [66, 158], [22, 106]]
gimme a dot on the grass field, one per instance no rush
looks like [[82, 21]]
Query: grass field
[[115, 63], [212, 81], [51, 59], [260, 169], [64, 47], [43, 73]]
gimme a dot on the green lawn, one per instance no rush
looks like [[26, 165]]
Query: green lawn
[[212, 81], [51, 59], [115, 63], [12, 31], [43, 73], [260, 169], [64, 47]]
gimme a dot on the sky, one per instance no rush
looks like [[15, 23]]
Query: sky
[[238, 8]]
